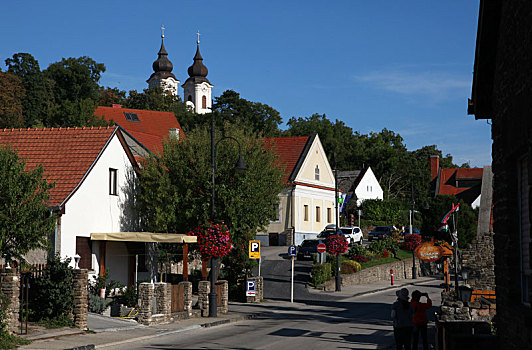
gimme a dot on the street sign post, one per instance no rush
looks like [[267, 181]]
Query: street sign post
[[292, 251], [250, 288], [254, 251]]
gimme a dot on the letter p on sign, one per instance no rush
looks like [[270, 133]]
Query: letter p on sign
[[254, 249]]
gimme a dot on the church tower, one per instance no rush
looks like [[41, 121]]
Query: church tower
[[197, 88], [162, 71]]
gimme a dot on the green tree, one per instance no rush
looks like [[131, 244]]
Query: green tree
[[26, 220], [38, 103], [110, 96], [260, 118], [76, 91], [175, 190], [466, 219], [11, 96]]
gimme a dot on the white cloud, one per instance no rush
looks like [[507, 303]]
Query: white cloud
[[434, 85]]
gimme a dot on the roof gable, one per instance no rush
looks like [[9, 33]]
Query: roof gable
[[288, 151], [66, 154], [315, 162], [461, 182], [152, 127]]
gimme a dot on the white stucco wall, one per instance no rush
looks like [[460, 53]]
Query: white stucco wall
[[197, 91], [312, 197], [368, 188], [92, 209]]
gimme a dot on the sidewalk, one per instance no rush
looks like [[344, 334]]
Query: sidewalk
[[107, 332]]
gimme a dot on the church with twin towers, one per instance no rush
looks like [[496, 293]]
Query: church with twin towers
[[197, 88]]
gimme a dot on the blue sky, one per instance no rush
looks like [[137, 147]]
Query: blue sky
[[402, 65]]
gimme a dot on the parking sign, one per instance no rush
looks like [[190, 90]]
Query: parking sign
[[292, 251], [254, 249], [250, 288]]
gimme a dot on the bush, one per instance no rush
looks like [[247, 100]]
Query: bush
[[101, 282], [350, 266], [51, 294], [389, 244], [320, 274], [97, 304], [128, 297]]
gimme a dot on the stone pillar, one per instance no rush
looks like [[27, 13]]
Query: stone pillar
[[259, 290], [81, 295], [187, 291], [10, 288], [163, 300], [204, 288], [224, 296], [145, 303]]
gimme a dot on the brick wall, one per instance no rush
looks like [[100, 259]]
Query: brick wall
[[511, 132]]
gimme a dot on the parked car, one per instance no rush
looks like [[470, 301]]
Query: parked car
[[353, 234], [308, 248], [380, 232], [407, 231]]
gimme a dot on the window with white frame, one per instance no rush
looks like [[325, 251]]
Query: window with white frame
[[276, 213], [329, 215], [113, 182], [305, 213], [524, 227], [318, 212], [317, 173]]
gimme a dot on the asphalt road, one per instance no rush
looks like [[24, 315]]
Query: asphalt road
[[361, 322], [314, 321]]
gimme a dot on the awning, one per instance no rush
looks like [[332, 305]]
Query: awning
[[144, 237]]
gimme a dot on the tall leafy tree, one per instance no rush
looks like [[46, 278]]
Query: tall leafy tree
[[11, 94], [175, 189], [26, 220], [261, 118], [38, 103], [76, 91]]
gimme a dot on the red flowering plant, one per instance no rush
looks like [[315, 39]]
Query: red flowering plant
[[213, 240], [411, 242], [336, 244]]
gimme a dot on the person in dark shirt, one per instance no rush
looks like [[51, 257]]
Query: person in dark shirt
[[420, 319], [402, 313]]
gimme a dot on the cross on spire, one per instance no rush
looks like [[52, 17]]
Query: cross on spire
[[198, 34], [162, 30]]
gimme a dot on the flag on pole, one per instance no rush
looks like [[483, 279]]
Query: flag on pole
[[443, 228], [454, 208]]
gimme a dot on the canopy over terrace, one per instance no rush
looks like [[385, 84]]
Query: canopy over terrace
[[144, 237]]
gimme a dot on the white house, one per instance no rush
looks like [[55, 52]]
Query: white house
[[306, 205], [360, 185], [94, 174]]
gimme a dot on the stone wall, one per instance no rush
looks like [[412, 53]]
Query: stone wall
[[81, 298], [478, 259], [455, 310], [10, 287], [187, 295], [224, 307], [402, 269], [146, 292], [204, 288], [163, 302]]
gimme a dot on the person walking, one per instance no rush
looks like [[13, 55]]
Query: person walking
[[420, 319], [402, 314]]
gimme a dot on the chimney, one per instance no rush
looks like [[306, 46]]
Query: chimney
[[434, 166], [115, 105]]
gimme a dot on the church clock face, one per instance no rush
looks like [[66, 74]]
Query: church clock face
[[204, 88]]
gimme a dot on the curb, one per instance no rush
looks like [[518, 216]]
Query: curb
[[393, 287]]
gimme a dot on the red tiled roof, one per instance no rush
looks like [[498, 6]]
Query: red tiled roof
[[66, 154], [288, 149], [156, 124], [448, 187]]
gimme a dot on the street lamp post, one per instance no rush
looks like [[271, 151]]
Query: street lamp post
[[414, 276], [338, 278], [213, 296]]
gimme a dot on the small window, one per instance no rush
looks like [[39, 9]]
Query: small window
[[318, 210], [329, 215], [305, 212], [276, 214], [317, 173], [131, 117], [113, 181], [203, 102]]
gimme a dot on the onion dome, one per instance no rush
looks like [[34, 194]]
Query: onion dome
[[162, 67], [197, 71]]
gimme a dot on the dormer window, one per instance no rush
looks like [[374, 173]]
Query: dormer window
[[131, 117], [317, 173]]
